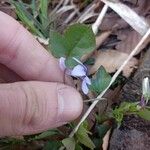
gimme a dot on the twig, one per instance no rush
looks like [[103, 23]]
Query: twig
[[94, 99], [144, 38], [97, 23]]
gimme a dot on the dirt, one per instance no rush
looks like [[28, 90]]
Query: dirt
[[134, 133]]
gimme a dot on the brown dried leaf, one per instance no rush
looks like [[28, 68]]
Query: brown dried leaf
[[113, 95], [112, 60], [101, 38], [129, 39], [112, 20]]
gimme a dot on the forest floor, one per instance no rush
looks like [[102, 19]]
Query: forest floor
[[116, 38]]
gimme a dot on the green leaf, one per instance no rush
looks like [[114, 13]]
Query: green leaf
[[90, 61], [69, 143], [46, 134], [71, 62], [145, 114], [33, 8], [78, 147], [123, 109], [81, 40], [101, 81], [77, 40], [44, 8], [102, 130], [27, 18], [34, 17], [83, 138], [52, 145], [58, 45], [24, 16], [43, 14]]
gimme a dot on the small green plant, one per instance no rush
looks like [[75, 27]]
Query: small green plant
[[35, 16], [137, 108]]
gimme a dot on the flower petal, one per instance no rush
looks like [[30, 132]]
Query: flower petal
[[87, 80], [142, 102], [78, 71], [84, 87], [78, 61], [62, 63]]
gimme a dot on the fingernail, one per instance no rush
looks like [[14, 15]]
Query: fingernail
[[70, 104]]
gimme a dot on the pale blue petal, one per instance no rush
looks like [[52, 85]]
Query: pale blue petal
[[84, 87], [78, 61], [78, 71], [62, 63], [87, 80]]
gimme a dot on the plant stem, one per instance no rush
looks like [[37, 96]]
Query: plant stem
[[94, 99]]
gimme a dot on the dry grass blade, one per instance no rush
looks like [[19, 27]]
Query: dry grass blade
[[136, 22], [87, 12], [101, 38]]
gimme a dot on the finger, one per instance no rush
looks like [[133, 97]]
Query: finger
[[20, 52], [7, 75], [32, 107]]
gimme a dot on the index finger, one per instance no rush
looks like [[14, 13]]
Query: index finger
[[20, 52]]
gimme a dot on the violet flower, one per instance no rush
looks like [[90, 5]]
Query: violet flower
[[79, 71]]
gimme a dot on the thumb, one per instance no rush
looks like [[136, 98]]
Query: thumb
[[32, 107]]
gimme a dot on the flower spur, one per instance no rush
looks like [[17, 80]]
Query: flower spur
[[79, 71]]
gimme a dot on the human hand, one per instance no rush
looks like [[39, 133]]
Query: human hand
[[37, 100]]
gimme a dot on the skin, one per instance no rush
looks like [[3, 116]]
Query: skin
[[33, 97]]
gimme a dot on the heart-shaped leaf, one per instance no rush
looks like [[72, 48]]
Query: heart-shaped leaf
[[58, 45], [77, 41], [101, 81], [80, 39]]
